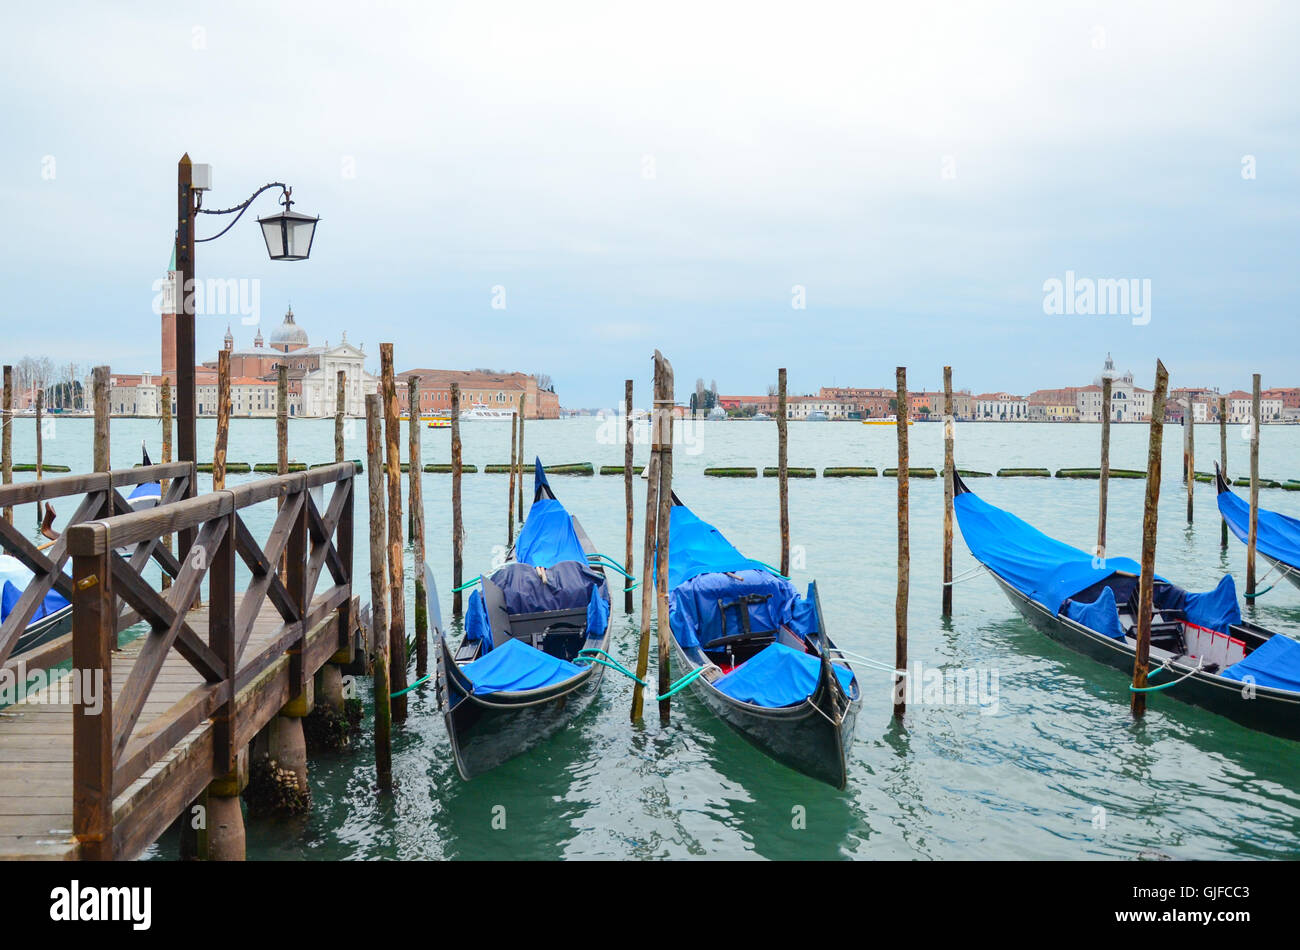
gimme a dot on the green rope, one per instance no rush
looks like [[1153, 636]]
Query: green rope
[[611, 563], [1152, 689], [608, 661], [420, 682], [773, 570], [682, 683], [467, 584], [1260, 593], [635, 585]]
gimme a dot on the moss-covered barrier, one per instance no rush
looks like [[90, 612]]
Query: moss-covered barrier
[[1263, 483], [618, 469], [971, 473], [444, 468], [1095, 473], [45, 467], [912, 473], [573, 468], [731, 472], [232, 468], [271, 468], [849, 472], [1291, 484], [1024, 473], [774, 471]]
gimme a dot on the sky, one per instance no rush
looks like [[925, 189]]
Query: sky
[[562, 188]]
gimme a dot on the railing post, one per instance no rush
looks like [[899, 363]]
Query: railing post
[[93, 637], [296, 583], [344, 542], [223, 836]]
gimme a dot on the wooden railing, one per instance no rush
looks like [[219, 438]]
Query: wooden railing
[[102, 497], [111, 748]]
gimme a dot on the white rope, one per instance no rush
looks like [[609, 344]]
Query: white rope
[[875, 664], [967, 575]]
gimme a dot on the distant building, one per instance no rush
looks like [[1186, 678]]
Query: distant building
[[1239, 408], [1001, 407], [494, 390]]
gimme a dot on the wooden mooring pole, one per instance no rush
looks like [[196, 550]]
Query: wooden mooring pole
[[783, 469], [1189, 453], [628, 437], [663, 422], [415, 479], [1223, 463], [165, 394], [510, 489], [100, 447], [1103, 480], [282, 420], [457, 529], [647, 559], [396, 571], [904, 554], [340, 409], [949, 489], [223, 421], [40, 447], [379, 594], [7, 438], [523, 404], [1146, 581], [1253, 533]]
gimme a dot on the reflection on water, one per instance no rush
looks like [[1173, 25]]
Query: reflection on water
[[1061, 770]]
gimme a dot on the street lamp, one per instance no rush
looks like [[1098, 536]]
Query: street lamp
[[288, 238]]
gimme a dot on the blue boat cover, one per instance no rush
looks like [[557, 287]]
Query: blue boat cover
[[53, 602], [1216, 609], [778, 676], [697, 618], [1276, 535], [515, 667], [1047, 570], [1102, 615], [696, 547], [1275, 664], [547, 536], [146, 490]]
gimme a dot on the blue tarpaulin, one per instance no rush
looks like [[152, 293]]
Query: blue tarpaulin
[[1276, 535], [515, 667], [1216, 609], [53, 602], [1275, 664], [1041, 567], [696, 547], [778, 676], [1101, 615], [696, 607], [547, 537]]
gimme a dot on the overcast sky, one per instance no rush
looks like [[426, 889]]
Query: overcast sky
[[666, 175]]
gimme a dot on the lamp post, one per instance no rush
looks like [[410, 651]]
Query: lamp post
[[288, 237]]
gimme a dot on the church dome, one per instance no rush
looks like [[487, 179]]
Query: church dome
[[289, 334]]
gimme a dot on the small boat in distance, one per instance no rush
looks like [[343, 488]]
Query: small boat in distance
[[1200, 647], [1277, 536], [534, 630], [885, 421], [763, 661], [438, 422], [483, 412]]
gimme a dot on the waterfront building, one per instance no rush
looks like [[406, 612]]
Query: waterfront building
[[1001, 407], [1239, 406], [494, 390]]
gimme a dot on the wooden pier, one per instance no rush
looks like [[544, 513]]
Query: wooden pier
[[102, 776]]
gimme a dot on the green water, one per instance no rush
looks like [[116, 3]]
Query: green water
[[952, 782]]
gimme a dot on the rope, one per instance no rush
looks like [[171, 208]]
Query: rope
[[609, 562], [966, 575], [772, 569], [604, 659], [875, 664], [467, 584], [682, 683], [1261, 593], [1155, 689], [420, 682]]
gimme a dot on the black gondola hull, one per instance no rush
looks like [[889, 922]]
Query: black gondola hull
[[812, 738], [487, 731], [1271, 711]]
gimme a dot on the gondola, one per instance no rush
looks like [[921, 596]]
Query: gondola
[[1199, 646], [523, 670], [1277, 536], [53, 616], [767, 667]]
